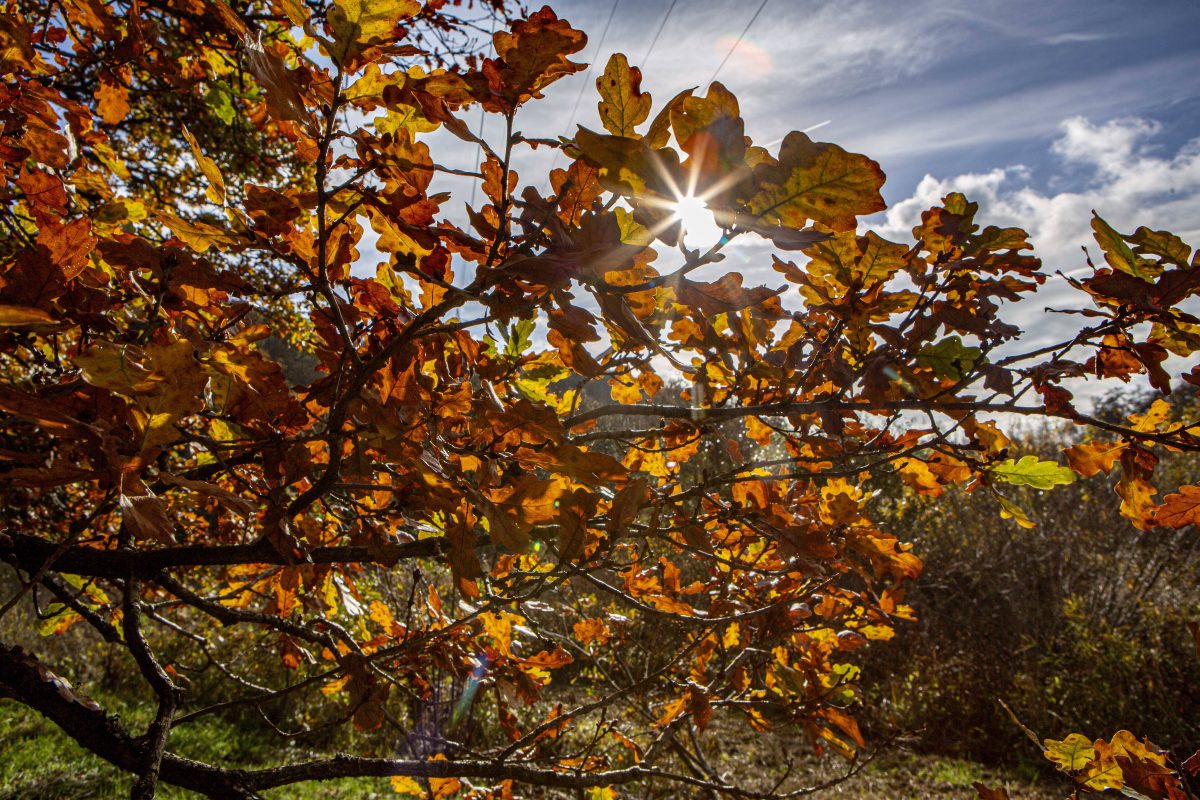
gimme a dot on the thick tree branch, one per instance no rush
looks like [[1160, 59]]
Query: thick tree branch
[[30, 552]]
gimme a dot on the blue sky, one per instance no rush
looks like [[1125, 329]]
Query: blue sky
[[1041, 111], [924, 85]]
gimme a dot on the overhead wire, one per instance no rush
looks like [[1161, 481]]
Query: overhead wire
[[741, 36], [592, 66], [479, 132], [662, 24], [586, 80]]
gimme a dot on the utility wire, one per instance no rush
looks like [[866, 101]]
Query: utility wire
[[745, 30], [658, 33], [586, 81], [479, 133], [592, 66]]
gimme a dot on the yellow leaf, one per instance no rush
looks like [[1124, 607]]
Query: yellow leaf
[[198, 235], [216, 184], [402, 784], [359, 24], [624, 105], [1071, 754], [818, 181]]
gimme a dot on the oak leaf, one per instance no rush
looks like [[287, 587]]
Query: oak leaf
[[623, 104], [1091, 458], [359, 24], [817, 181], [1179, 509], [1032, 471]]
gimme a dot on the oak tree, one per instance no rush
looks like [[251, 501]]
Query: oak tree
[[446, 540]]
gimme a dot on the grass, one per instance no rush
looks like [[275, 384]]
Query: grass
[[39, 762]]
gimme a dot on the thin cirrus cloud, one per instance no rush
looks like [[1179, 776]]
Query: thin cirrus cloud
[[1040, 111]]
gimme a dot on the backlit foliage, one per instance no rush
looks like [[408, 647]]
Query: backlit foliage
[[439, 530]]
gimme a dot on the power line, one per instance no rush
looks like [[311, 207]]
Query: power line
[[591, 67], [479, 133], [658, 33], [586, 80], [741, 36]]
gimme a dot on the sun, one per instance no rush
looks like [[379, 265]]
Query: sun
[[699, 225]]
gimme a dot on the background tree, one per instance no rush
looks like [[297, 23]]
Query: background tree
[[444, 545]]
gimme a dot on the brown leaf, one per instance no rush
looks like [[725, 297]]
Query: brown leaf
[[24, 317], [1179, 509], [722, 296], [68, 245], [146, 515]]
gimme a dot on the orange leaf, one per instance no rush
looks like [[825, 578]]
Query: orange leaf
[[1089, 459], [112, 100]]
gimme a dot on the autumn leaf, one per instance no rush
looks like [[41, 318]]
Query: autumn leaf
[[359, 24], [817, 181], [68, 245], [534, 55], [1010, 510], [23, 316], [112, 99], [591, 630], [1089, 459], [200, 236], [856, 261], [402, 784], [147, 517], [623, 104], [216, 184], [1032, 471], [118, 368], [1179, 509], [1071, 754]]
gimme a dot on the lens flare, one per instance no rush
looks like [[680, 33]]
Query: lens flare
[[699, 225]]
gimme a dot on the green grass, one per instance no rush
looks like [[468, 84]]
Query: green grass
[[39, 762]]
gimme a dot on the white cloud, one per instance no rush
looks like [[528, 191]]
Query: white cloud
[[1127, 182], [1108, 147]]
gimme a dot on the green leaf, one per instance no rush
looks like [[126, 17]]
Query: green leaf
[[57, 619], [220, 103], [1071, 754], [948, 358], [519, 338], [1116, 252], [1163, 244], [1031, 471]]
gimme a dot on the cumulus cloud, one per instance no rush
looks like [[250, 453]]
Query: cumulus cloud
[[1124, 178]]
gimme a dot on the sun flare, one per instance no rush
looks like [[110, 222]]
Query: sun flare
[[699, 224]]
